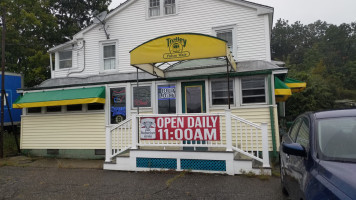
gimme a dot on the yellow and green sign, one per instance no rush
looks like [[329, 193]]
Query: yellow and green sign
[[177, 47]]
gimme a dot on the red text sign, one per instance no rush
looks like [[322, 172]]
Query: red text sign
[[198, 128]]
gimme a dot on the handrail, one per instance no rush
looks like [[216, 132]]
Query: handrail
[[246, 122], [120, 124]]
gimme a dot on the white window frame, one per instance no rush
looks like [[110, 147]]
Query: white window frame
[[225, 28], [101, 47], [266, 92], [156, 94], [161, 9], [152, 96], [211, 93], [57, 68]]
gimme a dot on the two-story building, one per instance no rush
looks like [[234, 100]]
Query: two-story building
[[101, 97]]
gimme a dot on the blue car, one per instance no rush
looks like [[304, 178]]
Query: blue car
[[318, 156]]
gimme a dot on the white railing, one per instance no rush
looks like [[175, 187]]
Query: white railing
[[118, 139], [237, 134], [249, 139]]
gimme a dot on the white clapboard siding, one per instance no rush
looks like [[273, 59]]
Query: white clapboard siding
[[63, 131], [130, 27]]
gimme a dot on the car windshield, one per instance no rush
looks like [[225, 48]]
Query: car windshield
[[337, 138]]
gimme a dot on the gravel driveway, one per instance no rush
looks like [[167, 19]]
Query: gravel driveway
[[61, 183]]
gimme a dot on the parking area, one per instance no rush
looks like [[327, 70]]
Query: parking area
[[64, 183]]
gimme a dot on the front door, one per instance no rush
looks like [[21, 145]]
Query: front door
[[193, 97], [193, 101]]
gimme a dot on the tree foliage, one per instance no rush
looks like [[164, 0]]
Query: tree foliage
[[32, 27], [323, 55]]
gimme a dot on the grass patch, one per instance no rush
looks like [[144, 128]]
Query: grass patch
[[10, 148]]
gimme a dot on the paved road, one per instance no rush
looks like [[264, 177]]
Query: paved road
[[60, 183]]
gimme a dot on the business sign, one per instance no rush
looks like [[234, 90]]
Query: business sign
[[197, 128]]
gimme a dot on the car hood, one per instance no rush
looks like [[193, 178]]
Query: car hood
[[342, 175]]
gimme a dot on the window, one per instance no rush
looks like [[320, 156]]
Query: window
[[76, 107], [166, 99], [117, 105], [109, 56], [156, 6], [303, 134], [34, 110], [142, 96], [51, 109], [253, 90], [225, 35], [294, 129], [219, 95], [169, 7], [65, 59], [95, 106]]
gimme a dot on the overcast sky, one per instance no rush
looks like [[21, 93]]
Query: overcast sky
[[306, 11]]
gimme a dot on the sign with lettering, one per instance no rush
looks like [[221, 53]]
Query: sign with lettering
[[142, 96], [199, 128]]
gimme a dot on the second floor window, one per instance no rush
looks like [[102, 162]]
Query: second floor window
[[225, 35], [65, 59], [169, 7], [161, 7], [154, 8], [109, 56]]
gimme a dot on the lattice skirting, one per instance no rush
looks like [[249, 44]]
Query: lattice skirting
[[188, 164], [209, 165], [164, 163]]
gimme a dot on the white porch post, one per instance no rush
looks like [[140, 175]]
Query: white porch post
[[134, 130], [108, 144], [228, 130], [265, 145]]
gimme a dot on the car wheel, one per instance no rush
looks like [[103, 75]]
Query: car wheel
[[284, 190]]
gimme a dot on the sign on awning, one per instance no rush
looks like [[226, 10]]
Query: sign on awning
[[177, 47]]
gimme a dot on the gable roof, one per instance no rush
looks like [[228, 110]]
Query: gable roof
[[261, 10]]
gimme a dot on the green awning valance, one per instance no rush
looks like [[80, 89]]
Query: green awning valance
[[61, 97], [281, 90], [295, 85]]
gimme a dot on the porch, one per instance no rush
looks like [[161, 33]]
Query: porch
[[227, 144]]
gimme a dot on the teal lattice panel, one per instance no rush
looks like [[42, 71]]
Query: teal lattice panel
[[209, 165], [164, 163]]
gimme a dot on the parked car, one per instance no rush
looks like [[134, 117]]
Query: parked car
[[318, 156]]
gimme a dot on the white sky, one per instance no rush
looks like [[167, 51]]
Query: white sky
[[306, 11]]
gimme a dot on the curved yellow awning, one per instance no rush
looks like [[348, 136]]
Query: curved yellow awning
[[177, 47]]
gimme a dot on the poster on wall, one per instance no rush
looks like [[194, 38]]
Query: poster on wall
[[198, 128]]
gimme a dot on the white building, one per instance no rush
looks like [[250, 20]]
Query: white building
[[93, 87]]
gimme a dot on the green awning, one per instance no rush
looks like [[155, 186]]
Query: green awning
[[295, 85], [281, 90], [61, 97]]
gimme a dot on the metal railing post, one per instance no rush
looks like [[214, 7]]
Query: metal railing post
[[228, 130], [108, 150], [265, 145], [135, 130]]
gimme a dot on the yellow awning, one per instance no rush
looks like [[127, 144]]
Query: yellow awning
[[177, 47]]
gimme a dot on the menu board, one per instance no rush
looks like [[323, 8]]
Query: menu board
[[142, 96]]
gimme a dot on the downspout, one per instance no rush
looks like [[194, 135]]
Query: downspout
[[77, 60], [271, 113]]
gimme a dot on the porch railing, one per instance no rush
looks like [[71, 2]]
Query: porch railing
[[237, 134]]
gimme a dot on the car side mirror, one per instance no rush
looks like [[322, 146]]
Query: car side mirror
[[294, 149]]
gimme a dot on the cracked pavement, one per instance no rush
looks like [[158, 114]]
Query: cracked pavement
[[62, 183]]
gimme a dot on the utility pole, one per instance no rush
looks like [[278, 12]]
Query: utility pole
[[2, 82]]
